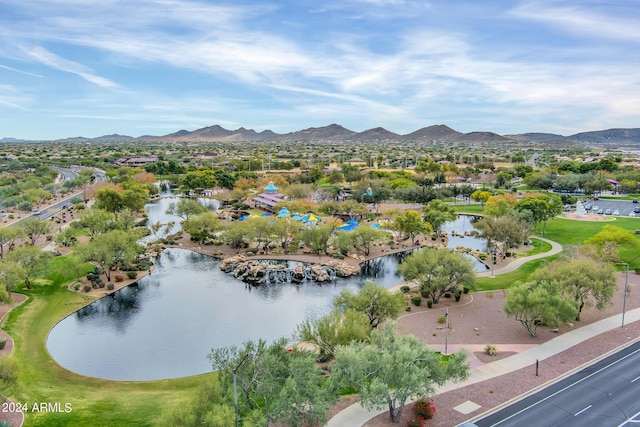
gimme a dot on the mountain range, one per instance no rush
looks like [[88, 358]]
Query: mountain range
[[336, 133]]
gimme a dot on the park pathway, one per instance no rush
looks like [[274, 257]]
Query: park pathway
[[556, 248]]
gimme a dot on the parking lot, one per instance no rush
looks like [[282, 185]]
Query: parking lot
[[609, 207]]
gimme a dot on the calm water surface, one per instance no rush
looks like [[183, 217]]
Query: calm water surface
[[166, 325]]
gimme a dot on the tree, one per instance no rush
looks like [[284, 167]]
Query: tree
[[411, 225], [480, 196], [112, 250], [391, 368], [210, 406], [202, 227], [438, 271], [334, 330], [374, 301], [8, 236], [542, 207], [236, 235], [507, 231], [65, 237], [109, 199], [34, 228], [275, 385], [97, 221], [588, 281], [10, 273], [29, 259], [535, 303], [316, 238], [365, 237], [608, 239], [185, 208], [437, 213]]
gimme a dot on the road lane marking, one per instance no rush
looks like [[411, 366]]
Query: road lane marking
[[579, 412], [635, 379], [566, 388]]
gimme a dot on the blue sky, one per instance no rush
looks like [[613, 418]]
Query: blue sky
[[136, 67]]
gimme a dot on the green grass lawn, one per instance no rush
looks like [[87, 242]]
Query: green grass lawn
[[472, 209], [93, 401], [504, 281], [539, 247]]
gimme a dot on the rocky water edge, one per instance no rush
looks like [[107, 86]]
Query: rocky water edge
[[262, 272]]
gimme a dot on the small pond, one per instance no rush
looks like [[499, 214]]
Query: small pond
[[165, 325]]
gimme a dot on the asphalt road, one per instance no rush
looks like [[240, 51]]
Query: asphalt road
[[606, 393]]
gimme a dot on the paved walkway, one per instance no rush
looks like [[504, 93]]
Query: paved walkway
[[356, 415], [556, 248]]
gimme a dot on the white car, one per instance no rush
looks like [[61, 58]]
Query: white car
[[616, 212], [632, 214]]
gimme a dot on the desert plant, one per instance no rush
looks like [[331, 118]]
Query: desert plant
[[3, 343], [424, 408], [405, 289], [429, 303], [491, 350], [132, 274], [110, 286], [416, 300], [442, 320], [416, 422], [87, 288]]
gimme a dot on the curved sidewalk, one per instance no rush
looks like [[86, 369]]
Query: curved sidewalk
[[556, 248], [356, 415]]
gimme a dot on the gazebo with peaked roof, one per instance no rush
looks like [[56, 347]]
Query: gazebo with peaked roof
[[269, 198]]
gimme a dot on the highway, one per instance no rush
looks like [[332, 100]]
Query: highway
[[604, 394]]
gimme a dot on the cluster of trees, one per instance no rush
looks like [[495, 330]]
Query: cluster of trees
[[280, 385]]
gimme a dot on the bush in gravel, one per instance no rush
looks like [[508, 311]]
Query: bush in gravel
[[405, 289], [87, 288], [424, 408], [491, 350], [3, 343], [416, 300], [110, 286], [416, 422], [132, 274]]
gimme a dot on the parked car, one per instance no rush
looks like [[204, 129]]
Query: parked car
[[596, 208], [607, 212], [636, 209], [635, 200], [616, 212], [587, 207], [632, 214]]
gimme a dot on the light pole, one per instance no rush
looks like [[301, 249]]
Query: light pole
[[235, 391], [446, 332], [626, 288]]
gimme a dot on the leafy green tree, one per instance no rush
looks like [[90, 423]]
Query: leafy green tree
[[65, 237], [185, 208], [10, 273], [334, 330], [112, 250], [543, 207], [202, 227], [503, 232], [135, 198], [437, 213], [536, 303], [210, 406], [34, 228], [363, 238], [275, 386], [410, 224], [316, 238], [392, 368], [438, 271], [480, 196], [30, 259], [109, 199], [236, 235], [8, 236], [97, 221], [374, 301], [609, 239], [589, 282]]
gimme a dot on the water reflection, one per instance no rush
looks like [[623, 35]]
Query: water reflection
[[165, 326]]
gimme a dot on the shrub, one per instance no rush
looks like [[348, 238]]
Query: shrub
[[424, 293], [3, 343], [416, 422], [466, 290], [416, 300], [119, 278], [132, 274], [87, 288], [447, 295], [442, 320], [424, 408], [405, 289], [76, 286], [429, 303], [110, 286], [101, 284], [491, 350]]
